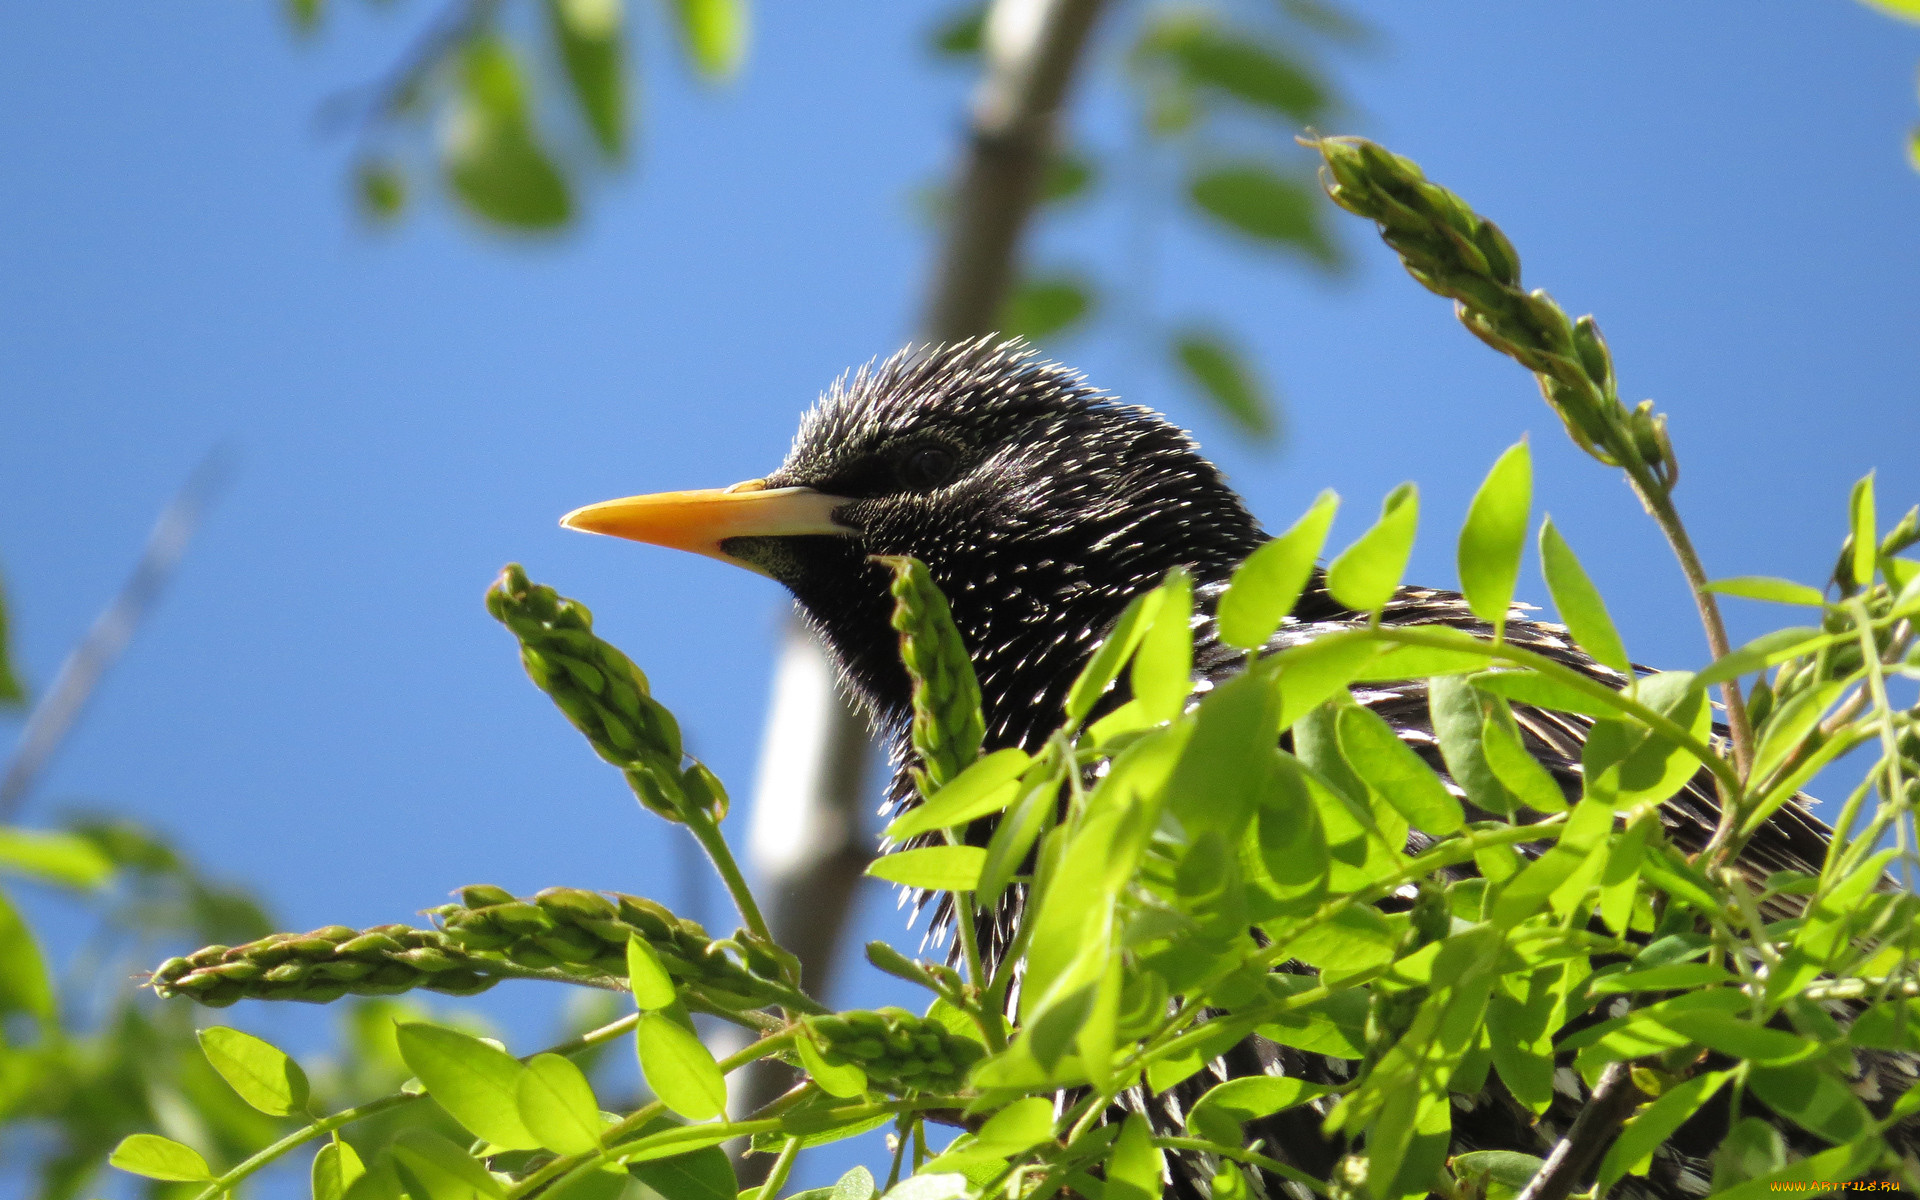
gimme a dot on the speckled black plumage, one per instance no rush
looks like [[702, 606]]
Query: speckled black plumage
[[1042, 506]]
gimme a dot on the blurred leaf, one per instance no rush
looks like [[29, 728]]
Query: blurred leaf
[[1221, 374], [1040, 308], [492, 155], [305, 14], [1763, 587], [12, 692], [1579, 602], [588, 33], [477, 1083], [1066, 175], [937, 868], [1906, 10], [1327, 19], [557, 1106], [260, 1072], [335, 1167], [157, 1157], [715, 33], [1268, 583], [433, 1168], [1258, 201], [1495, 535], [1863, 531], [1134, 1164], [1367, 574], [1237, 64], [962, 33], [53, 857], [380, 188], [24, 983], [679, 1069]]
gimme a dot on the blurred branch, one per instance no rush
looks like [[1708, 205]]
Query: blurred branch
[[57, 711], [807, 843]]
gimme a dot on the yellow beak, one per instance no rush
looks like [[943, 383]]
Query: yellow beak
[[704, 521]]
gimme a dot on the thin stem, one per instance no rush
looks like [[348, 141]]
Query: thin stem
[[1246, 1156], [782, 1167], [347, 1116], [707, 833]]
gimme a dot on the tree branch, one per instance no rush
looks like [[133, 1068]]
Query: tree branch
[[1574, 1156]]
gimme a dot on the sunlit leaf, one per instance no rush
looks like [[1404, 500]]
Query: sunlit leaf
[[679, 1069], [557, 1106], [845, 1081], [715, 33], [434, 1168], [493, 157], [25, 985], [1495, 535], [335, 1168], [1134, 1164], [588, 33], [1038, 309], [1458, 718], [1268, 583], [1221, 374], [259, 1071], [1812, 1098], [1395, 772], [652, 986], [1863, 528], [1162, 675], [1104, 667], [1366, 574], [55, 857], [705, 1174], [477, 1083], [157, 1157], [1763, 587], [936, 868], [1579, 601]]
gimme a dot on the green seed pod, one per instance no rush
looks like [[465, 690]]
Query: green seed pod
[[480, 895], [575, 903]]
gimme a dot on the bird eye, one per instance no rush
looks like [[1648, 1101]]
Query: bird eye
[[927, 467]]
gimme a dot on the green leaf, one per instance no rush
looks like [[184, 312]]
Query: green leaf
[[1367, 574], [1729, 1034], [1105, 664], [493, 158], [25, 985], [1812, 1099], [1579, 602], [1224, 770], [1221, 374], [1395, 773], [157, 1157], [335, 1167], [652, 986], [846, 1081], [1037, 309], [433, 1168], [1268, 584], [705, 1174], [715, 33], [1239, 66], [588, 32], [1541, 691], [1649, 1128], [1495, 535], [986, 787], [943, 1186], [962, 34], [1015, 835], [1257, 1096], [52, 856], [1254, 199], [1457, 714], [681, 1070], [1018, 1127], [12, 691], [1134, 1164], [856, 1184], [1162, 675], [936, 868], [1627, 764], [1668, 978], [477, 1083], [380, 186], [1310, 675], [1584, 833], [1765, 587], [1769, 649], [1863, 530], [260, 1072], [1823, 1170], [1789, 724], [557, 1106], [1514, 766]]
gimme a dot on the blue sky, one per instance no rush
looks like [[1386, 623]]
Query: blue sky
[[322, 707]]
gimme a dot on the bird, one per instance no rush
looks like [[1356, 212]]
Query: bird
[[1041, 506]]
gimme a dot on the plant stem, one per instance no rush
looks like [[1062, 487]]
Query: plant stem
[[782, 1167], [707, 833], [1246, 1156]]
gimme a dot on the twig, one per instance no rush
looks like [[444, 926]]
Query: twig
[[1573, 1156], [57, 711]]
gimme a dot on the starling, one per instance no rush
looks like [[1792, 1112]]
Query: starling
[[1042, 506]]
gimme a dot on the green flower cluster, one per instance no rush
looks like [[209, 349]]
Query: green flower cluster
[[897, 1050], [1455, 252], [585, 933], [325, 965], [603, 694], [947, 725]]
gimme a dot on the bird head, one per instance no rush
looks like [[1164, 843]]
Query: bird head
[[1040, 505]]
